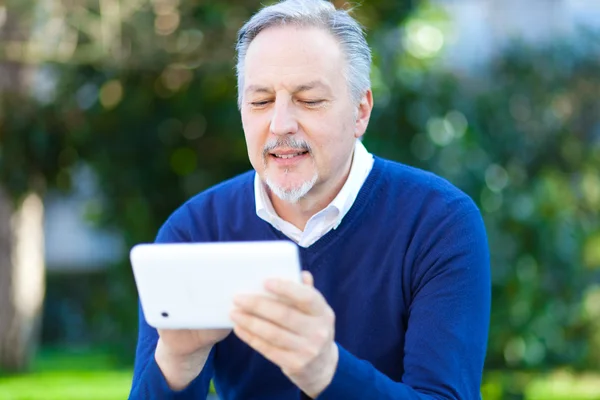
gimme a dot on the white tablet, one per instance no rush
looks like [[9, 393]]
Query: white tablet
[[192, 285]]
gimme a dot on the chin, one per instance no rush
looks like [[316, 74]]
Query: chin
[[291, 194]]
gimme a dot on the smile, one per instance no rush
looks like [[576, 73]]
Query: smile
[[286, 156]]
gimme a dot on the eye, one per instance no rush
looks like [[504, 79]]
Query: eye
[[313, 103], [259, 104]]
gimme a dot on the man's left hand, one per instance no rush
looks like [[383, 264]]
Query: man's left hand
[[294, 329]]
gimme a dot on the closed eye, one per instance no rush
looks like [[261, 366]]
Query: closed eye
[[259, 103], [314, 103]]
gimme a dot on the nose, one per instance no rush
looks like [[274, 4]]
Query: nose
[[283, 120]]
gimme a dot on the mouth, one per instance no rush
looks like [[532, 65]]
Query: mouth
[[287, 158], [288, 155]]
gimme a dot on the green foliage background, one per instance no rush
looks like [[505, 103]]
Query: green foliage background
[[155, 116]]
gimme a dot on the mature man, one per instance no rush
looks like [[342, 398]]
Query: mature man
[[396, 294]]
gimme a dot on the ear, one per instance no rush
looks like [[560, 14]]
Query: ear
[[364, 114]]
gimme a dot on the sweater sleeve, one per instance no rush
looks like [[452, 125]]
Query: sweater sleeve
[[148, 381], [448, 321]]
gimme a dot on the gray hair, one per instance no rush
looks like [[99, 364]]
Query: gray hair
[[313, 13]]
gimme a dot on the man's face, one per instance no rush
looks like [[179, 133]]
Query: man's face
[[299, 120]]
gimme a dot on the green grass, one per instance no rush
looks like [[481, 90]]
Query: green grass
[[69, 375], [566, 387], [67, 385], [558, 385]]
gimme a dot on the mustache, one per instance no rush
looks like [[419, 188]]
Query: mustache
[[287, 143]]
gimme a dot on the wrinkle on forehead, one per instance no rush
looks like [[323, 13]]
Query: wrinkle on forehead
[[291, 56]]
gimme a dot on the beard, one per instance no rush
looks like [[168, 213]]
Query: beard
[[297, 192], [294, 194]]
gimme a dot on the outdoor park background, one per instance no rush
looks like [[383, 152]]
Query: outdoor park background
[[113, 112]]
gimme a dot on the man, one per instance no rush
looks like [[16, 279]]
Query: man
[[396, 290]]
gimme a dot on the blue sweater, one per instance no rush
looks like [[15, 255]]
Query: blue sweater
[[406, 273]]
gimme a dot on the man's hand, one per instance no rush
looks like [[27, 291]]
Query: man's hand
[[181, 354], [294, 329], [185, 342]]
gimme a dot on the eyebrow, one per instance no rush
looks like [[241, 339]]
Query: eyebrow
[[300, 88]]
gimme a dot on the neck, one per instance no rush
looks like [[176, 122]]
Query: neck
[[316, 200]]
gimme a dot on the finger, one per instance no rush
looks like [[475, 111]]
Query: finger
[[267, 331], [307, 278], [275, 311], [280, 357], [304, 297]]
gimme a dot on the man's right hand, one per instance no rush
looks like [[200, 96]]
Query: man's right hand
[[181, 354]]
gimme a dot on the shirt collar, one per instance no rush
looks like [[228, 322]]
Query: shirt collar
[[361, 164]]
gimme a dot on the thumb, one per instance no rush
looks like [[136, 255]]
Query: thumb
[[307, 278]]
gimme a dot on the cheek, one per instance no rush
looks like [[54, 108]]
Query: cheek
[[334, 146], [255, 141], [253, 135], [255, 147]]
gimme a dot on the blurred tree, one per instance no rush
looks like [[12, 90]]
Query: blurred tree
[[23, 160]]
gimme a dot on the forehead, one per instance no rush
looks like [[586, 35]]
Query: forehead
[[290, 55]]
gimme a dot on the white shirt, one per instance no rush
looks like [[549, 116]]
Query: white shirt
[[331, 216]]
